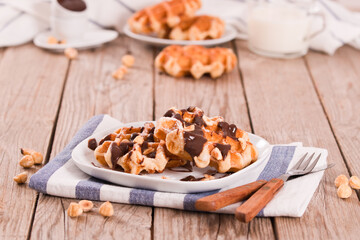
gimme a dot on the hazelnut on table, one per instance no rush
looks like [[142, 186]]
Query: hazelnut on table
[[86, 205], [106, 209], [341, 179], [37, 156], [21, 178], [128, 60], [74, 210], [71, 53], [27, 161], [120, 72], [354, 182], [344, 191]]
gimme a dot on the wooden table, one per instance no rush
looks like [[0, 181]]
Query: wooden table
[[45, 98]]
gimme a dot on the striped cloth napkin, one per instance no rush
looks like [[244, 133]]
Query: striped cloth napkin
[[21, 20], [60, 177]]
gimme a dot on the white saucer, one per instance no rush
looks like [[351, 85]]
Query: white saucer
[[229, 34], [84, 159], [91, 39]]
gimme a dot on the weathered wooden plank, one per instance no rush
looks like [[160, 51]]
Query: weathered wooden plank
[[223, 96], [91, 90], [31, 83], [284, 108], [337, 81]]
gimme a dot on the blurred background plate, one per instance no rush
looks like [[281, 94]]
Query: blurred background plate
[[91, 39], [229, 34]]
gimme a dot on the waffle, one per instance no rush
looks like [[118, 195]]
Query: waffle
[[181, 137], [198, 28], [208, 141], [161, 17], [178, 61]]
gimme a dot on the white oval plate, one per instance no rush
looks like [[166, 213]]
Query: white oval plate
[[84, 157], [229, 34], [91, 39]]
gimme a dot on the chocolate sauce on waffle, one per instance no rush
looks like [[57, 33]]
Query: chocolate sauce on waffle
[[133, 136], [115, 153], [92, 144], [106, 138], [73, 5], [224, 149], [194, 141], [229, 130]]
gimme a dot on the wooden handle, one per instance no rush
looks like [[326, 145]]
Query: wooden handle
[[222, 199], [247, 211]]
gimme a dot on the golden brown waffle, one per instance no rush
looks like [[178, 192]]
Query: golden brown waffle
[[179, 138], [208, 141], [198, 28], [161, 17], [178, 61]]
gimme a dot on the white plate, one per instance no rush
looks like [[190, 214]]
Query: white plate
[[84, 157], [229, 34], [91, 39]]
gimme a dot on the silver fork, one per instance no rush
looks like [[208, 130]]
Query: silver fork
[[222, 199], [247, 211]]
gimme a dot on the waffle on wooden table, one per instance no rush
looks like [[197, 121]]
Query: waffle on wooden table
[[314, 99]]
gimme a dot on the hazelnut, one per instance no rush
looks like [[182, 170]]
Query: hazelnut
[[354, 182], [344, 191], [71, 53], [106, 209], [62, 42], [52, 40], [86, 205], [128, 60], [38, 157], [21, 178], [119, 73], [26, 161], [74, 210], [341, 179]]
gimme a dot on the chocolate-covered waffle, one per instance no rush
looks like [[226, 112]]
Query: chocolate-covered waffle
[[208, 141], [180, 138]]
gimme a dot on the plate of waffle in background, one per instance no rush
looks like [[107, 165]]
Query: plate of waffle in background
[[175, 23], [184, 151]]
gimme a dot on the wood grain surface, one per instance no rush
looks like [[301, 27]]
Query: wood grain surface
[[339, 91], [30, 95], [291, 111], [91, 90]]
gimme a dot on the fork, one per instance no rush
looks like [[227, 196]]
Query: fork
[[269, 189]]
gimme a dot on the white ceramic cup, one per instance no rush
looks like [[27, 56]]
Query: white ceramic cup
[[281, 29], [67, 25]]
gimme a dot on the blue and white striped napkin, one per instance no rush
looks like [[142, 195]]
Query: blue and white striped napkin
[[60, 177], [21, 20]]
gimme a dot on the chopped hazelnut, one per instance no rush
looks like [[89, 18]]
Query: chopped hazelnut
[[21, 178], [344, 191], [71, 53], [26, 161], [106, 209], [341, 179], [128, 60], [354, 182], [74, 210], [62, 42], [86, 205], [52, 40], [119, 73], [37, 156]]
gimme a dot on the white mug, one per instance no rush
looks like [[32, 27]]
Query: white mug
[[281, 29], [66, 24]]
